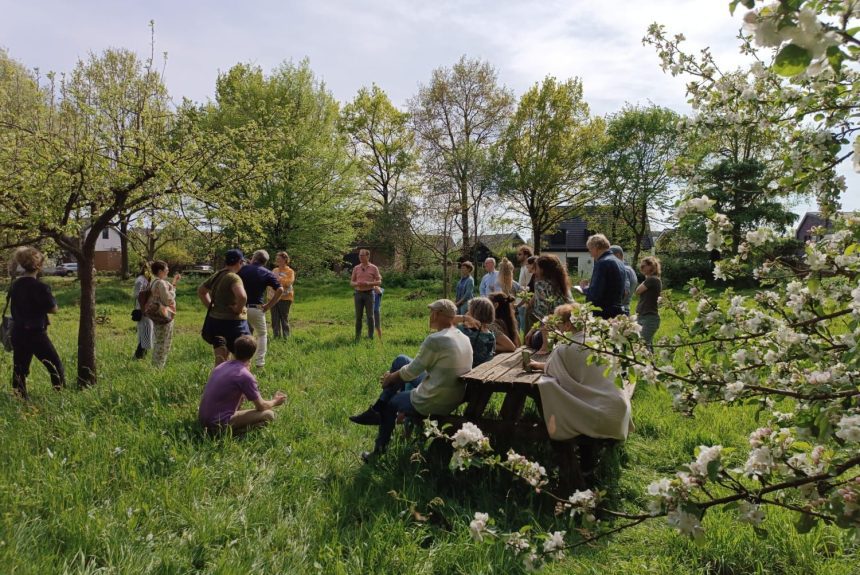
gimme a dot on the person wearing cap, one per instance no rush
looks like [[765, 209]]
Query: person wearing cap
[[365, 277], [427, 385], [608, 278], [256, 278], [632, 280], [224, 296]]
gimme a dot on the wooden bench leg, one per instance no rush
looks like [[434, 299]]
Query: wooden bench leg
[[512, 406], [477, 404]]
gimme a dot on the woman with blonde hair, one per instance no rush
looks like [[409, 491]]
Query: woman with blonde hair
[[30, 301], [505, 282], [648, 291], [144, 324]]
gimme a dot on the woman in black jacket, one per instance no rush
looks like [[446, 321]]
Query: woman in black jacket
[[30, 302]]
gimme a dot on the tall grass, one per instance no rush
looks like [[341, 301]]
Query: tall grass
[[119, 478]]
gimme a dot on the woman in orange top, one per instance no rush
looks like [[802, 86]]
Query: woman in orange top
[[281, 311]]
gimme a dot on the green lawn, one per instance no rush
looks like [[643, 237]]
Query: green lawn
[[119, 479]]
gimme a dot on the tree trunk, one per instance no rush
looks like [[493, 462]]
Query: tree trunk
[[123, 248], [464, 219], [87, 321], [536, 233]]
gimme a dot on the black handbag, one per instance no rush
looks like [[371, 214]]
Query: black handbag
[[136, 315]]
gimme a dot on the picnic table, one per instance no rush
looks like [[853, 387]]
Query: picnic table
[[505, 375]]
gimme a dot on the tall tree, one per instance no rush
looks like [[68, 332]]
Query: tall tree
[[307, 202], [457, 117], [632, 169], [544, 154], [105, 143], [383, 147]]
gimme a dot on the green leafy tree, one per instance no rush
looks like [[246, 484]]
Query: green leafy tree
[[457, 117], [306, 202], [383, 147], [106, 142], [632, 170], [544, 155]]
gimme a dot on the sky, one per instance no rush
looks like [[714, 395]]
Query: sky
[[395, 44]]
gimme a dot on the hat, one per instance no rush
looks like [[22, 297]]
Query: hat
[[617, 250], [444, 306], [233, 257]]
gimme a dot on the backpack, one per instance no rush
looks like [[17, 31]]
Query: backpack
[[143, 296]]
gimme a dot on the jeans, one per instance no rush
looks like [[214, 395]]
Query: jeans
[[650, 324], [393, 400], [521, 317], [257, 321], [281, 318], [363, 304]]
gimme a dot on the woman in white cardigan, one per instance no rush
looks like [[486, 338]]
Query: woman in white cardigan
[[578, 398]]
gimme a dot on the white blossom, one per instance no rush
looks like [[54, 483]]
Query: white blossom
[[849, 428], [750, 513], [478, 526], [554, 545], [686, 523]]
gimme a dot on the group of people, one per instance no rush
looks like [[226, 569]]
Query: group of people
[[235, 299], [466, 333]]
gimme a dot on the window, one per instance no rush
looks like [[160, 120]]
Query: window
[[106, 233]]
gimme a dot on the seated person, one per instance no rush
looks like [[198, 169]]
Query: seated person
[[476, 325], [229, 385], [435, 373], [505, 327], [580, 398]]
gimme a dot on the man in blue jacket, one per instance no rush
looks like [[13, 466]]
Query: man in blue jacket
[[608, 279]]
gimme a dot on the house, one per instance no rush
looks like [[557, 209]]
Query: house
[[568, 241], [812, 220], [108, 256], [494, 246]]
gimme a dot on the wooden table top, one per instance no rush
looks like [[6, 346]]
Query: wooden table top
[[506, 368]]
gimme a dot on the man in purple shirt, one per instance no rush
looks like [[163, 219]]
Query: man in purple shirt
[[230, 384], [256, 278]]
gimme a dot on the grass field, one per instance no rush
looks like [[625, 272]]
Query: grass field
[[119, 478]]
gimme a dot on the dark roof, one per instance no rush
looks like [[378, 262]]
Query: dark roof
[[572, 233]]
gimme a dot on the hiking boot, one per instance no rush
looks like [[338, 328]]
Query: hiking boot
[[368, 417]]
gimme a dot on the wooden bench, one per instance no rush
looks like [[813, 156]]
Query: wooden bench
[[504, 374]]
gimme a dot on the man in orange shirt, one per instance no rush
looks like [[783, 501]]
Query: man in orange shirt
[[365, 276], [281, 312]]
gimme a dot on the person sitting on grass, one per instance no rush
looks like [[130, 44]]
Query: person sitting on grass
[[230, 384], [445, 355], [476, 326]]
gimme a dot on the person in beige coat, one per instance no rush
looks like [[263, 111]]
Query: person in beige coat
[[578, 398]]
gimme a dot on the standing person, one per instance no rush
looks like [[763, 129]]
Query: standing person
[[230, 384], [505, 280], [365, 276], [552, 286], [632, 280], [164, 293], [488, 282], [256, 278], [465, 287], [648, 291], [433, 376], [524, 252], [223, 295], [281, 312], [144, 324], [608, 278], [30, 302], [377, 310]]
